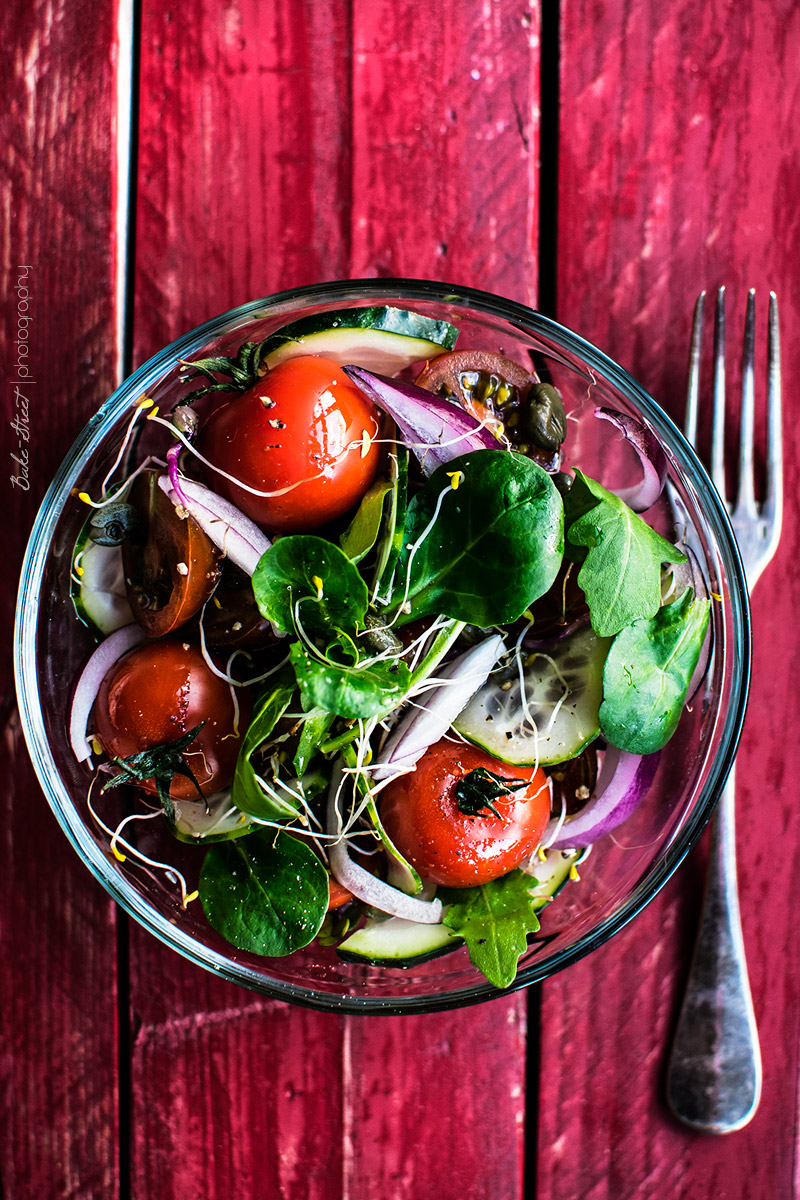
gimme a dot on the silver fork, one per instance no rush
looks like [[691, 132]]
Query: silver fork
[[714, 1073]]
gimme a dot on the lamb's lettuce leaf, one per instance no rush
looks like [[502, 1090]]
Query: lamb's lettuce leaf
[[483, 539], [266, 893]]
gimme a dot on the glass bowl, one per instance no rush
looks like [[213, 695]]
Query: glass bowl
[[624, 871]]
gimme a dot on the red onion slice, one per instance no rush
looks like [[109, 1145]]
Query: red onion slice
[[239, 538], [367, 887], [623, 783], [102, 660], [421, 727], [558, 634], [445, 429], [642, 495]]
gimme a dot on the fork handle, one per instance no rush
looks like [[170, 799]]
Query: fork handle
[[714, 1073]]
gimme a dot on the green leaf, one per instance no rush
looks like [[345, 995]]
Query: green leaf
[[495, 545], [400, 872], [316, 574], [266, 893], [621, 574], [390, 539], [647, 674], [349, 691], [246, 792], [315, 728], [494, 919], [362, 532]]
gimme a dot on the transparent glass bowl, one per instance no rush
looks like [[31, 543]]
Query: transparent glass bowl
[[622, 874]]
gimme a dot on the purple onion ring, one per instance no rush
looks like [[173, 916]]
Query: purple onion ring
[[110, 650], [444, 430], [623, 783], [642, 495]]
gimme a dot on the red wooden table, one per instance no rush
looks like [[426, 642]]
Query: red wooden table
[[605, 161]]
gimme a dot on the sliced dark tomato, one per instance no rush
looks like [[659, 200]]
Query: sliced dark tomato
[[171, 567], [232, 619], [573, 781], [338, 895], [491, 385]]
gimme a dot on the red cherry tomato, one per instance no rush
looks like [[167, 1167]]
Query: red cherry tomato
[[422, 817], [338, 895], [160, 690], [304, 427]]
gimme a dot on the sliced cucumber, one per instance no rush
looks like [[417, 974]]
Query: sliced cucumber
[[563, 690], [98, 586], [552, 874], [384, 340], [221, 822], [397, 943], [392, 942]]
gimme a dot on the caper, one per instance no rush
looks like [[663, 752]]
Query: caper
[[113, 525], [185, 420], [545, 421], [379, 636]]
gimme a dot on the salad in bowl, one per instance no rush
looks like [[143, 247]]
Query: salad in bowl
[[403, 641]]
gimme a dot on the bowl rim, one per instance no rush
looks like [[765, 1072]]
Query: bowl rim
[[25, 641]]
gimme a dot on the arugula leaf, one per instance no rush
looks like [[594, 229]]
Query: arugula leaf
[[266, 893], [362, 532], [349, 690], [246, 792], [494, 920], [647, 674], [317, 574], [621, 573], [495, 545]]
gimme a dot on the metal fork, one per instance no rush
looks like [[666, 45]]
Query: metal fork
[[714, 1073]]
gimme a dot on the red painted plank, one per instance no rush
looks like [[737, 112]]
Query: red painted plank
[[243, 176], [242, 143], [446, 143], [58, 984], [445, 148], [251, 151], [434, 1105], [678, 151]]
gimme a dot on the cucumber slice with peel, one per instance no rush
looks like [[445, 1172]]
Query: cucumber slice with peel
[[563, 692], [397, 943], [393, 942], [98, 586], [380, 339], [220, 821]]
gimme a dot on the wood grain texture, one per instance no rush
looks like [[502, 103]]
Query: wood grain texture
[[58, 1110], [259, 133], [678, 152], [446, 143], [243, 171]]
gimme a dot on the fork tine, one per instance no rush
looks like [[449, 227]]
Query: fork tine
[[693, 390], [718, 431], [773, 503], [746, 498]]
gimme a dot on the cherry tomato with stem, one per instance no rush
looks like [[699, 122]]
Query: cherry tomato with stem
[[438, 819], [160, 691]]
